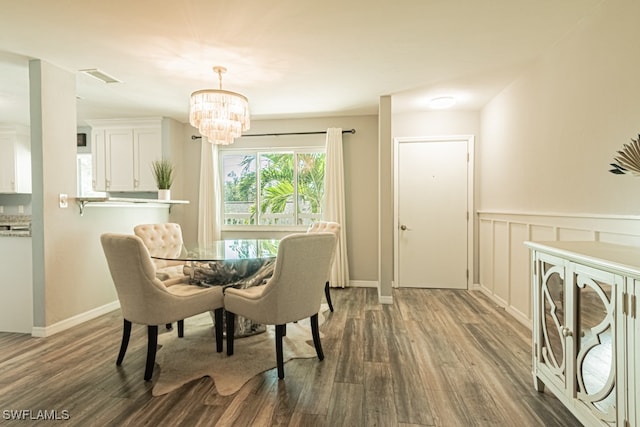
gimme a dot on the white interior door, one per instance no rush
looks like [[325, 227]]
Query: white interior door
[[431, 213]]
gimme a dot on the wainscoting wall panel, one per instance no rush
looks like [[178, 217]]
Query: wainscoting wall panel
[[504, 260], [500, 266], [486, 255], [541, 233], [519, 295]]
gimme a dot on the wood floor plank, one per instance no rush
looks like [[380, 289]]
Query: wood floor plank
[[374, 342], [379, 407], [350, 366], [432, 358], [409, 391], [316, 393], [346, 405]]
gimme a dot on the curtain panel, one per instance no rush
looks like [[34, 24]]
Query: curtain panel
[[210, 200], [335, 204]]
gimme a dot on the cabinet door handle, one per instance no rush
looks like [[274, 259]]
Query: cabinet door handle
[[566, 332]]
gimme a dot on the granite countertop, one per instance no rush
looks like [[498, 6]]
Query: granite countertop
[[15, 225]]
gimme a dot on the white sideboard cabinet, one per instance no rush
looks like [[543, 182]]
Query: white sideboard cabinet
[[586, 333], [122, 153], [15, 160]]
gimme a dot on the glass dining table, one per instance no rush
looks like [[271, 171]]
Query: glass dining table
[[241, 263]]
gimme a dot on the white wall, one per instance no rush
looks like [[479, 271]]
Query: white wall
[[436, 123], [547, 141], [53, 157]]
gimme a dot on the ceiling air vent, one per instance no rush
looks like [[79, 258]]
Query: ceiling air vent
[[100, 75]]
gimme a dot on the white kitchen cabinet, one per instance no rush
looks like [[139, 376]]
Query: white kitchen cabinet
[[16, 304], [585, 331], [15, 160], [122, 153]]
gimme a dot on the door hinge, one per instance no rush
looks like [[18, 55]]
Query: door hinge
[[467, 274]]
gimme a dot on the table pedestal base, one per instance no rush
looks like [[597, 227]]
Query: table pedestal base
[[240, 274]]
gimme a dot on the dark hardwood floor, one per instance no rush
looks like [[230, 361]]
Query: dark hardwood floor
[[433, 358]]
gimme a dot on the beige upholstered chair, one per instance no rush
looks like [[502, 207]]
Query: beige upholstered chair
[[164, 240], [145, 300], [293, 293], [323, 227]]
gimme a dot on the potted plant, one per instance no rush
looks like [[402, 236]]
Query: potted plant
[[163, 172]]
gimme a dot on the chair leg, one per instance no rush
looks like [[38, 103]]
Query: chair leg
[[231, 326], [316, 336], [126, 333], [180, 328], [327, 295], [218, 314], [280, 329], [152, 346]]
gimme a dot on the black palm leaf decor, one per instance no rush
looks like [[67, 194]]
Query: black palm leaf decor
[[628, 159]]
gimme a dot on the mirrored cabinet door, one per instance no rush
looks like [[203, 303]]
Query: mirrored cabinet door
[[595, 340], [553, 320]]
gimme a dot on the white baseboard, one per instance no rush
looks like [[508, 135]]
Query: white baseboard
[[363, 283], [47, 331], [518, 315], [385, 299]]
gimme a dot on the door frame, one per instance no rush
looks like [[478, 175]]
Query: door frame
[[470, 140]]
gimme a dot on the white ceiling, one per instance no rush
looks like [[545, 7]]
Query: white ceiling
[[291, 58]]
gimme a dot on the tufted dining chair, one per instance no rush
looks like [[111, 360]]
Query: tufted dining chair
[[164, 240], [322, 227], [145, 300], [293, 292]]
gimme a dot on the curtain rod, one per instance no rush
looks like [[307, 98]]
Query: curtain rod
[[352, 131]]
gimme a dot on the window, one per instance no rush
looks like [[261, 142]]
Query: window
[[85, 187], [279, 187]]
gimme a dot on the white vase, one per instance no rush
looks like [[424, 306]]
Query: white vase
[[164, 194]]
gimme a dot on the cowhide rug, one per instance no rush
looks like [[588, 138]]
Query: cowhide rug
[[194, 356]]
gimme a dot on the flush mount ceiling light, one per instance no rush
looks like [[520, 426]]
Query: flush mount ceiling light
[[100, 75], [220, 115], [442, 102]]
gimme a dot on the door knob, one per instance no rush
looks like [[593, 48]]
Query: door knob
[[403, 227]]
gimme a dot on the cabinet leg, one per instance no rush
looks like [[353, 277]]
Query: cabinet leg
[[538, 385]]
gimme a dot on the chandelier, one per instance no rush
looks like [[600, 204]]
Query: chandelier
[[220, 115]]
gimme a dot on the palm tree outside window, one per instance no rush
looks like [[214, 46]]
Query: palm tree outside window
[[273, 187]]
